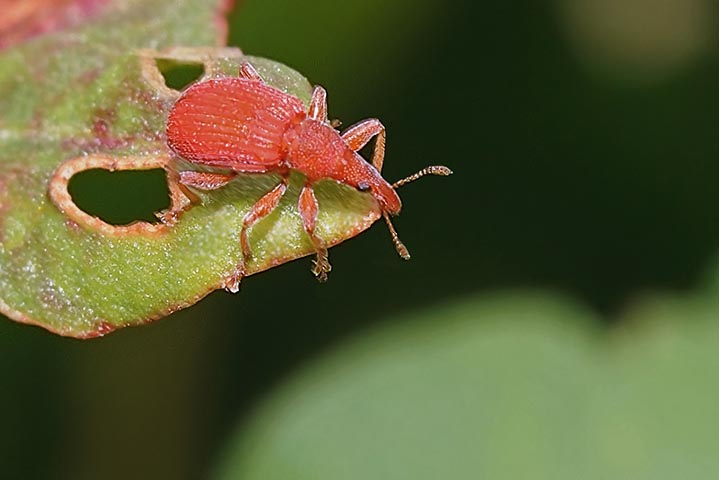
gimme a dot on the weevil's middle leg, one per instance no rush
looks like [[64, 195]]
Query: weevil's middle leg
[[309, 208], [359, 134], [263, 207]]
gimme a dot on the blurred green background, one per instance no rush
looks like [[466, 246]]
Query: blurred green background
[[583, 139]]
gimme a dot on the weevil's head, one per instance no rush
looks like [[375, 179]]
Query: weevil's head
[[362, 175], [357, 172]]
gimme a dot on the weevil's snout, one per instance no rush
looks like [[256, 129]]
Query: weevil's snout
[[365, 178], [371, 181], [383, 192], [387, 197]]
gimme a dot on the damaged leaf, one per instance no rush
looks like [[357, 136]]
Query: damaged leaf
[[94, 97]]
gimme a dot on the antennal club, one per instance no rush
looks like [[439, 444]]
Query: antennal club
[[440, 170]]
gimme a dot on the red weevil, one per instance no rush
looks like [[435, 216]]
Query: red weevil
[[246, 126]]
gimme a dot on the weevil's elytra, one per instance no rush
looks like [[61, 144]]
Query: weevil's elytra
[[246, 126]]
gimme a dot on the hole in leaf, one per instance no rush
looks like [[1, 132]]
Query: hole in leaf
[[123, 197], [179, 75]]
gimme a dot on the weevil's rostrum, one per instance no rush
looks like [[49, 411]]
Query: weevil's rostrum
[[242, 125]]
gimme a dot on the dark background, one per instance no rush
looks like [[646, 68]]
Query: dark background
[[584, 145]]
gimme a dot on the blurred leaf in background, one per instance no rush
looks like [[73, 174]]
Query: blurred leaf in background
[[505, 386], [641, 40]]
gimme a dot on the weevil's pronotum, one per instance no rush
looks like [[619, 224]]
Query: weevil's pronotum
[[246, 126]]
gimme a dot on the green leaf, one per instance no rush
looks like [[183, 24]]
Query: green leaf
[[507, 387], [93, 97]]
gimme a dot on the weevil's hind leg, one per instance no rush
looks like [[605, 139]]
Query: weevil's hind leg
[[263, 207], [206, 180], [309, 208], [248, 72], [198, 180], [359, 134], [318, 104]]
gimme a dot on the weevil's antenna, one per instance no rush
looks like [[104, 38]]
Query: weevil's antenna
[[401, 249], [432, 170]]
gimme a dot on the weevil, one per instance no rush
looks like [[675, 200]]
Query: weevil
[[243, 125]]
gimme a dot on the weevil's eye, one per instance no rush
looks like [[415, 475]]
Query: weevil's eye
[[363, 187]]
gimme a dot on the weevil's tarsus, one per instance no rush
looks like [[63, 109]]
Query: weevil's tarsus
[[440, 170], [318, 105], [232, 282], [171, 216], [321, 265], [249, 72]]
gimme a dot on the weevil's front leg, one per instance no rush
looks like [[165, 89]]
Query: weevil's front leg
[[360, 133], [263, 207], [309, 208]]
